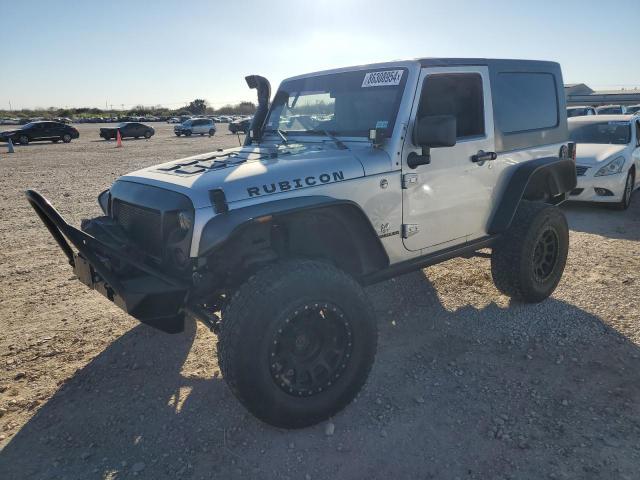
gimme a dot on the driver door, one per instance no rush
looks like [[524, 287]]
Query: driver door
[[448, 201]]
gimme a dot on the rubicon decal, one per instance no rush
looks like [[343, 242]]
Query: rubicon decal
[[295, 183]]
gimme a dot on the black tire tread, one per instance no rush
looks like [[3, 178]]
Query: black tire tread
[[256, 290], [506, 257]]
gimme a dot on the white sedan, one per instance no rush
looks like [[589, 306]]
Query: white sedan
[[608, 158]]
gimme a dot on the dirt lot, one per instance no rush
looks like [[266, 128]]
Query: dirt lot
[[465, 385]]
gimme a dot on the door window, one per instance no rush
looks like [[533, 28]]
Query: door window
[[458, 94]]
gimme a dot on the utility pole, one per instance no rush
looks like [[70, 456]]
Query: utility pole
[[9, 105]]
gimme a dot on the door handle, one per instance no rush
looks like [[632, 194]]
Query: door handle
[[483, 156]]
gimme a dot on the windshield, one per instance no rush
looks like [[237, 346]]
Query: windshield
[[577, 112], [123, 124], [617, 133], [346, 104], [605, 111], [28, 125]]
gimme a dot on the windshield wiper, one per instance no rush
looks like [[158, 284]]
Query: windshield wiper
[[281, 133], [283, 136], [332, 136]]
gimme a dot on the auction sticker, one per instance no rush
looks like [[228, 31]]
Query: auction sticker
[[381, 79]]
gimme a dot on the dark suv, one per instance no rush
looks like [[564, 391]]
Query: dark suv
[[53, 131], [242, 125]]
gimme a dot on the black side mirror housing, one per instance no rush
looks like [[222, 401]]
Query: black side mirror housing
[[435, 131], [432, 131]]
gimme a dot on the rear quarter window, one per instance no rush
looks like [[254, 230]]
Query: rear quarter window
[[526, 101]]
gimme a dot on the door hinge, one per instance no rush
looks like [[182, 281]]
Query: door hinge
[[409, 229], [409, 180]]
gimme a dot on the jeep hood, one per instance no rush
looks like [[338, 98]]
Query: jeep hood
[[252, 172], [590, 154]]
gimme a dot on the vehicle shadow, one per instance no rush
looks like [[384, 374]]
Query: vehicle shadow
[[528, 391], [604, 220]]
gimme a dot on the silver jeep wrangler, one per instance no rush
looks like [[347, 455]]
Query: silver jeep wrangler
[[348, 177]]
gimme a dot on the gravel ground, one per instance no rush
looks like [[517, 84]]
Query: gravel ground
[[466, 385]]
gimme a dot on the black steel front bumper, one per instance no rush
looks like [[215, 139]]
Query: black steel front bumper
[[109, 266]]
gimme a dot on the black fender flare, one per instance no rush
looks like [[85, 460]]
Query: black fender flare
[[551, 175], [222, 228]]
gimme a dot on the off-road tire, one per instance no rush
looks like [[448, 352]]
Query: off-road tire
[[516, 265], [627, 192], [274, 300]]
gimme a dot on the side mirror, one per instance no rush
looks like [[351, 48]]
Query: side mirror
[[432, 131], [435, 131]]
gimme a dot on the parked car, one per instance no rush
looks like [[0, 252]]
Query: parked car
[[611, 110], [45, 130], [198, 126], [242, 125], [173, 120], [128, 129], [580, 111], [633, 109], [608, 158]]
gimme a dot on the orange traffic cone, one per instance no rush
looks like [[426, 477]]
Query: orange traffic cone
[[118, 138]]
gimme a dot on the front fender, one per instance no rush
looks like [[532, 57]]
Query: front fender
[[223, 227]]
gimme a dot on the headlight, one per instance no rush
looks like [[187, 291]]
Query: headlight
[[185, 220], [611, 168], [103, 201]]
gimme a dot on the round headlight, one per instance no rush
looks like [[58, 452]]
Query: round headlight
[[185, 220]]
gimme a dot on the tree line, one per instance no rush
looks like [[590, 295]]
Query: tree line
[[196, 107]]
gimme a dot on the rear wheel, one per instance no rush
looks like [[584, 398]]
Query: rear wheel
[[177, 134], [297, 342], [628, 190], [66, 138], [528, 261]]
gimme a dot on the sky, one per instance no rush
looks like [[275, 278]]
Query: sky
[[125, 53]]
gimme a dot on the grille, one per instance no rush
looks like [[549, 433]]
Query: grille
[[142, 224], [581, 170]]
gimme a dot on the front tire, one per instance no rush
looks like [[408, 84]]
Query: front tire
[[23, 140], [528, 261], [212, 132], [297, 342], [187, 133], [147, 135], [66, 138], [626, 194]]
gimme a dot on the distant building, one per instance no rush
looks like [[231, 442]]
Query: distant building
[[581, 94]]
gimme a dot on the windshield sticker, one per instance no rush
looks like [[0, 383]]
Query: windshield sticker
[[382, 124], [379, 79]]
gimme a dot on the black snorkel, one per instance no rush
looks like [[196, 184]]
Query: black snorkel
[[263, 87]]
